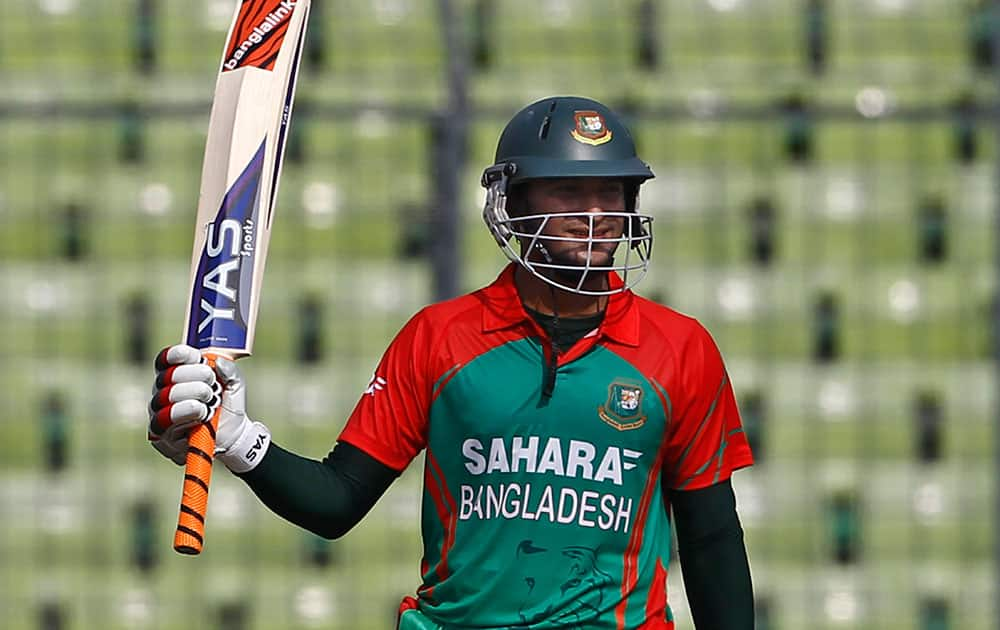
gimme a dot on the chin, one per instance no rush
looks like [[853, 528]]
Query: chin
[[601, 260]]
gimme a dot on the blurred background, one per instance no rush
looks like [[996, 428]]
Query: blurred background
[[825, 202]]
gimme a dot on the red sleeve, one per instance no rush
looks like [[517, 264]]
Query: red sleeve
[[390, 420], [705, 439]]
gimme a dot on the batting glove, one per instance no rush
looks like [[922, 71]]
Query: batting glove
[[186, 392]]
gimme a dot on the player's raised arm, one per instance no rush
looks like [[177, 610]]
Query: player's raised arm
[[327, 497]]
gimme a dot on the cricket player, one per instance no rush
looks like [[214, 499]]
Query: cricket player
[[568, 425]]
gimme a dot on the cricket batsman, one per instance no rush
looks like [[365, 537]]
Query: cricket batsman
[[568, 424]]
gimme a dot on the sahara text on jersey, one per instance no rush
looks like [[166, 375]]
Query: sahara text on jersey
[[575, 459]]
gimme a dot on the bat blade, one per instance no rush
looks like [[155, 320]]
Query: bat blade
[[251, 111], [243, 156]]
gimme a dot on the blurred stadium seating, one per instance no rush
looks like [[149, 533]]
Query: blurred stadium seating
[[825, 203]]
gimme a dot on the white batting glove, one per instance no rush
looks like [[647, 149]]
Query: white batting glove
[[186, 392], [240, 443]]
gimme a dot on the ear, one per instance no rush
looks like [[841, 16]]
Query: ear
[[631, 195], [517, 199]]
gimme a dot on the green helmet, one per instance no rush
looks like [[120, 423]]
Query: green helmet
[[566, 137]]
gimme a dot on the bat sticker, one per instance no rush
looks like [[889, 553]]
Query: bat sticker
[[286, 114], [257, 37], [220, 302]]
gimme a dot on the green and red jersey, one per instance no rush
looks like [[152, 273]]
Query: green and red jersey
[[549, 512]]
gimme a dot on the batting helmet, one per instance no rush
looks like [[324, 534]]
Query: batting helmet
[[566, 137]]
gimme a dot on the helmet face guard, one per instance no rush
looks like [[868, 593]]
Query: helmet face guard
[[558, 138], [529, 232]]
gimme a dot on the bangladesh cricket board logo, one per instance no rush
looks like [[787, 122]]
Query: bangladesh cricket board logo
[[590, 128], [623, 409]]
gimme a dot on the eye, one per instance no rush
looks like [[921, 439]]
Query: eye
[[612, 194]]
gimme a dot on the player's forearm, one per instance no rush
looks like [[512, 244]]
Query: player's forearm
[[717, 583], [326, 497], [713, 558]]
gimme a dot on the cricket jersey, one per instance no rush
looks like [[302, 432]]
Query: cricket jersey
[[548, 511]]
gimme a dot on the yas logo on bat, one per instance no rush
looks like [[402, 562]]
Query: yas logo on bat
[[224, 280], [225, 247]]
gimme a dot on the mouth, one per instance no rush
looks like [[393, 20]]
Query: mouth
[[585, 234]]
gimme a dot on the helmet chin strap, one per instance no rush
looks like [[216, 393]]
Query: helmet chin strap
[[545, 252]]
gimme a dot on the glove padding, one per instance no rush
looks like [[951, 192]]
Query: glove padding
[[186, 392]]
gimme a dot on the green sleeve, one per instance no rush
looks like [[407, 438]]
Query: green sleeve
[[713, 557], [326, 497]]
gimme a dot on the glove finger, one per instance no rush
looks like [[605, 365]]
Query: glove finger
[[196, 390], [185, 374], [169, 450], [228, 373], [180, 414], [160, 424], [177, 435], [177, 355]]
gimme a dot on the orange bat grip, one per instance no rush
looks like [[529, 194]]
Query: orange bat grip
[[190, 534]]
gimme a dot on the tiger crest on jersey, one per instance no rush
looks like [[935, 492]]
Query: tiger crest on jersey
[[623, 408]]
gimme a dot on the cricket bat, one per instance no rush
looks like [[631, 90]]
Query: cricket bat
[[239, 182]]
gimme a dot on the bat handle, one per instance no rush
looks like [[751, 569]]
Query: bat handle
[[190, 534]]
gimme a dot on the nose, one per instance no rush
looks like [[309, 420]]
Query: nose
[[594, 223], [593, 203]]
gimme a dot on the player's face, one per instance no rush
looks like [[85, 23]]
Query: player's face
[[578, 206]]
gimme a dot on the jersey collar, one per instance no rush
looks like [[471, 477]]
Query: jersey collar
[[503, 308]]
